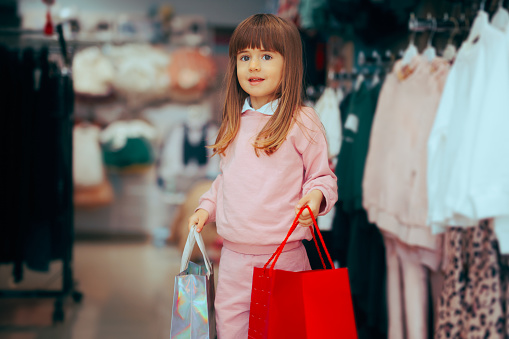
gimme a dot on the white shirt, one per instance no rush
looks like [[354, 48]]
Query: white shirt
[[88, 168], [468, 166], [327, 108], [267, 109]]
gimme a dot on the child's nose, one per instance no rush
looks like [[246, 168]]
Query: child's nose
[[254, 65]]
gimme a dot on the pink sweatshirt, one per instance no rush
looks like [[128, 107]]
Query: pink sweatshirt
[[253, 200]]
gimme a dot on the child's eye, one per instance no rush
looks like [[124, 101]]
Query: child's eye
[[266, 57], [244, 58]]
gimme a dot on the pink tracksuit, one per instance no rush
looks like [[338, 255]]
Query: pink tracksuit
[[253, 204]]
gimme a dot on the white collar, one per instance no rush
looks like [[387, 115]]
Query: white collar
[[267, 109]]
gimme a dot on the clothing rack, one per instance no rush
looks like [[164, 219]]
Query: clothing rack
[[368, 65], [446, 24], [37, 38], [60, 118]]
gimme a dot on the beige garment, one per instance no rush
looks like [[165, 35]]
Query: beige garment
[[407, 291], [394, 184], [179, 227]]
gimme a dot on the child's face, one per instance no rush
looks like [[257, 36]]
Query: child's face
[[259, 73]]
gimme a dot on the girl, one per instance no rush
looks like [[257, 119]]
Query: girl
[[273, 155]]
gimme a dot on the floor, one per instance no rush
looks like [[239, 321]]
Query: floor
[[127, 293]]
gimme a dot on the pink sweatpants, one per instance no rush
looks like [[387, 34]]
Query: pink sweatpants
[[233, 295]]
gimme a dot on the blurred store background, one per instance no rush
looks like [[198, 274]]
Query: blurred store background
[[127, 94]]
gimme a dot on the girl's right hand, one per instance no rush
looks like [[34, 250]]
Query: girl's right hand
[[199, 218]]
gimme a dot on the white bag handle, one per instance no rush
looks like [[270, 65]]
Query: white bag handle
[[192, 238]]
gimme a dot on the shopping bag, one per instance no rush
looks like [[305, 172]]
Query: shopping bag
[[308, 304], [193, 297]]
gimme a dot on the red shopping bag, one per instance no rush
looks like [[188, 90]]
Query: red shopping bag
[[308, 304]]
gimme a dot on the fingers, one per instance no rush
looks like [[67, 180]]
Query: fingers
[[302, 202], [305, 220], [304, 223], [313, 199], [193, 220], [199, 218], [199, 226], [305, 213]]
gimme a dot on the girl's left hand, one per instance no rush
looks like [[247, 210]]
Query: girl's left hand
[[313, 199]]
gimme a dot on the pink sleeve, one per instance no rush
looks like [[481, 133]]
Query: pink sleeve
[[208, 200], [318, 174]]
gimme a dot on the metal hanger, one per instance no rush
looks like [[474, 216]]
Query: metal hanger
[[450, 49], [430, 52], [482, 4]]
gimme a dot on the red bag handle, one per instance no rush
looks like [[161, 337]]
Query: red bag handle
[[279, 250]]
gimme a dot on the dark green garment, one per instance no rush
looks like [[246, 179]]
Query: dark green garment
[[354, 148], [357, 243], [359, 246], [137, 151]]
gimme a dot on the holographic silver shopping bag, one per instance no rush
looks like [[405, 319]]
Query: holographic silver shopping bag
[[193, 297]]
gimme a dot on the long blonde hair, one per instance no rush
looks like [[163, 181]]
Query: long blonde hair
[[273, 34]]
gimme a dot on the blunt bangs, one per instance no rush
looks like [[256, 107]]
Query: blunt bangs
[[258, 31]]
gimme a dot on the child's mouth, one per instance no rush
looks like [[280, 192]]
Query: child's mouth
[[255, 80]]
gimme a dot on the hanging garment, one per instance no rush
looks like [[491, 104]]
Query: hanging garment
[[87, 156], [473, 300], [191, 71], [504, 277], [140, 73], [24, 112], [500, 19], [408, 279], [15, 179], [467, 169], [44, 228], [351, 232], [35, 227], [91, 186], [356, 132], [195, 152], [127, 145], [93, 73], [359, 245], [327, 108], [394, 189], [184, 158], [395, 180]]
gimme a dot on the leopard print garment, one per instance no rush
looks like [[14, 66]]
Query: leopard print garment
[[504, 270], [472, 302]]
